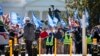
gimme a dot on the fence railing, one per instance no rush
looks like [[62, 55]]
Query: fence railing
[[55, 48]]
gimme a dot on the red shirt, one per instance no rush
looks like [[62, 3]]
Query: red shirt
[[43, 34]]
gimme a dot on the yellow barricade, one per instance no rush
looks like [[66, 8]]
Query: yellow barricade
[[10, 45], [39, 46], [55, 47], [71, 47], [94, 41], [15, 40]]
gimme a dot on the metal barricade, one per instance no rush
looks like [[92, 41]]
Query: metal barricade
[[7, 50], [39, 46], [10, 46], [16, 47], [94, 47], [16, 50], [98, 54], [22, 49], [55, 47], [34, 48]]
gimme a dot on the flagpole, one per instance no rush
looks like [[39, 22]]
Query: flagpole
[[84, 45]]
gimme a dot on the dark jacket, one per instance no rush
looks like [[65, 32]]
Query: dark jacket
[[58, 35], [2, 29], [29, 32], [37, 33]]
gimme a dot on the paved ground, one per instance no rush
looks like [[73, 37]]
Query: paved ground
[[63, 55], [57, 55]]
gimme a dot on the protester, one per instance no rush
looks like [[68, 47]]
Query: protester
[[58, 35], [66, 41], [89, 43], [50, 43], [78, 41], [11, 35], [29, 35], [2, 34], [96, 35], [43, 36], [37, 33]]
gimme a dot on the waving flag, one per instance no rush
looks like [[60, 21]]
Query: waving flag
[[50, 21], [76, 14], [39, 22], [86, 13], [36, 21], [77, 20], [86, 17], [55, 21], [1, 11], [63, 23], [13, 18], [20, 21], [83, 20]]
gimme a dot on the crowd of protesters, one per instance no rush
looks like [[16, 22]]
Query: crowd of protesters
[[64, 36], [47, 35], [30, 33]]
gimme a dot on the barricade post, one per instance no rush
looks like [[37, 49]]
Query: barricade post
[[10, 45], [55, 52], [94, 41], [98, 54], [71, 47], [94, 47], [39, 46], [16, 47], [34, 48], [98, 49], [23, 49], [15, 40], [7, 50]]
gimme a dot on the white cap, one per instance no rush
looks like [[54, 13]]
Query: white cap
[[26, 18]]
